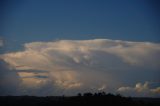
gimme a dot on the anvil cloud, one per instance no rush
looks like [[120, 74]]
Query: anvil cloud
[[84, 65]]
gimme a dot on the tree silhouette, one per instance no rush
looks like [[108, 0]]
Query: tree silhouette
[[100, 98]]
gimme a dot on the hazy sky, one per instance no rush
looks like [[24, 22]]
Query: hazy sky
[[56, 47]]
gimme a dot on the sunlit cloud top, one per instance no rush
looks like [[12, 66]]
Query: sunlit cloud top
[[86, 65]]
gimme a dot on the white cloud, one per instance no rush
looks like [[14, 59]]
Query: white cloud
[[63, 53], [71, 64], [156, 90], [139, 87], [66, 79], [102, 87], [140, 90], [121, 89]]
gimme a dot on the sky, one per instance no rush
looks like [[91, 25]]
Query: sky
[[63, 47]]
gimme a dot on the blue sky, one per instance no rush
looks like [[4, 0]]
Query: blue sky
[[43, 20], [68, 46]]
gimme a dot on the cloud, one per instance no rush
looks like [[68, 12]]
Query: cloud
[[9, 80], [140, 90], [83, 64], [156, 90], [139, 87], [33, 80], [66, 79], [102, 87], [67, 52]]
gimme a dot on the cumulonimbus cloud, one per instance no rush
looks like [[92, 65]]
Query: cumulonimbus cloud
[[73, 64]]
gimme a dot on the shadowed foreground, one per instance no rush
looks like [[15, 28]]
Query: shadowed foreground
[[100, 99]]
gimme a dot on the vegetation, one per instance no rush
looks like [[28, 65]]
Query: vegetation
[[99, 99]]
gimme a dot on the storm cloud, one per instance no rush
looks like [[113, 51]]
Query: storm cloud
[[72, 66]]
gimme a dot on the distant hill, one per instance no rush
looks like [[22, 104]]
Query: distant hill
[[99, 99]]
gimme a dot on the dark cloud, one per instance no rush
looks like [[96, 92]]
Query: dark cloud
[[9, 80]]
